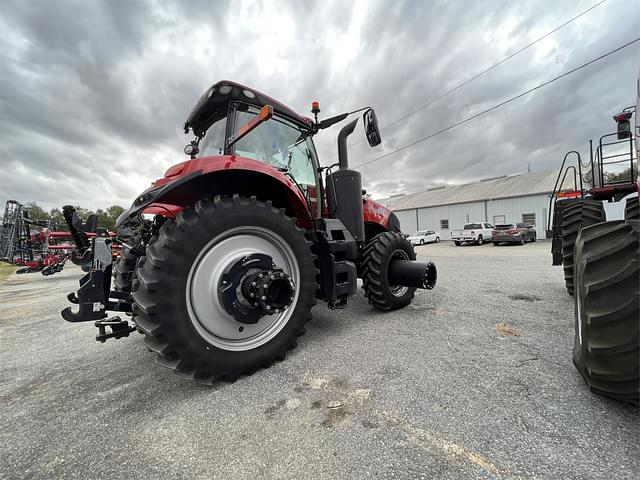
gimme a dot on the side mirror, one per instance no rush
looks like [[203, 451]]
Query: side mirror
[[371, 127]]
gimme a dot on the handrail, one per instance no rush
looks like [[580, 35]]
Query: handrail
[[602, 157], [575, 181]]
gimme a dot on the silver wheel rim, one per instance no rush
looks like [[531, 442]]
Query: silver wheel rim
[[398, 290], [205, 309]]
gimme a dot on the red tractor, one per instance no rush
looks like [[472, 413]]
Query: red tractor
[[224, 257], [601, 259]]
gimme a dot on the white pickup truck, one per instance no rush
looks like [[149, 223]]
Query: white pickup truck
[[477, 232]]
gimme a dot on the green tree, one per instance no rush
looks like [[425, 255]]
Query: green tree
[[106, 218], [115, 211], [35, 212], [57, 219]]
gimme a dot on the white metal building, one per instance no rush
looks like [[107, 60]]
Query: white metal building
[[508, 199]]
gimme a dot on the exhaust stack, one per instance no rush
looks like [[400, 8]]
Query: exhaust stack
[[343, 157]]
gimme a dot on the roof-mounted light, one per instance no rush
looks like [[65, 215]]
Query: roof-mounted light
[[622, 117]]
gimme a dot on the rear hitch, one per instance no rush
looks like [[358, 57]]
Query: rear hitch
[[119, 328], [94, 297], [339, 304]]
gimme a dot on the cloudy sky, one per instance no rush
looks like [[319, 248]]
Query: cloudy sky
[[93, 94]]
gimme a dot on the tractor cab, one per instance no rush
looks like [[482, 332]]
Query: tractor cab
[[234, 120]]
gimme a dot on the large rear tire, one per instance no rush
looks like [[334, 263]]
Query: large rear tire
[[177, 291], [607, 313], [374, 264], [581, 213]]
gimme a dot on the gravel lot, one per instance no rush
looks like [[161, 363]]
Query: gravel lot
[[433, 391]]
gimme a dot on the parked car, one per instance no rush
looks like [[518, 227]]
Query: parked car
[[477, 232], [424, 236], [513, 233]]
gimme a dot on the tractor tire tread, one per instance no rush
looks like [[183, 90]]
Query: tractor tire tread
[[607, 308], [152, 319], [575, 216], [374, 275]]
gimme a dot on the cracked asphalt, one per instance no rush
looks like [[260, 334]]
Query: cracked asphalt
[[473, 380]]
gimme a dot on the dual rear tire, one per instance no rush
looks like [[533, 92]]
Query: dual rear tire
[[607, 314], [576, 216]]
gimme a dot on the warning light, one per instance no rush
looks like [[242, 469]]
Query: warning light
[[315, 107], [266, 113]]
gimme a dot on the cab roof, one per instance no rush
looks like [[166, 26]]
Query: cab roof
[[214, 105]]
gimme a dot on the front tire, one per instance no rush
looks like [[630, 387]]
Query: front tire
[[607, 313], [184, 321], [457, 243], [421, 242], [437, 239], [479, 242], [375, 260]]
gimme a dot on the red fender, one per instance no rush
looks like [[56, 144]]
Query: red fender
[[171, 202], [376, 213]]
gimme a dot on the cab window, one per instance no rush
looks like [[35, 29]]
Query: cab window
[[213, 141], [280, 144]]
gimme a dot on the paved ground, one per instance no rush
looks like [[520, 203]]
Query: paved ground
[[433, 391]]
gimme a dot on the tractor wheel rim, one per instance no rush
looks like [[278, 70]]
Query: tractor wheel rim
[[205, 308], [398, 290]]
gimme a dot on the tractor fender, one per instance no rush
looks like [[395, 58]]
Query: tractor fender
[[187, 182], [378, 219]]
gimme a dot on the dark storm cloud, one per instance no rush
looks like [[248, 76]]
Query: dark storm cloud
[[93, 94]]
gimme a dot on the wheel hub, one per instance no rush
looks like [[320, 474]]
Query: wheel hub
[[205, 305], [253, 287]]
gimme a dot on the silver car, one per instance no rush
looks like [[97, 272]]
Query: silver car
[[424, 236]]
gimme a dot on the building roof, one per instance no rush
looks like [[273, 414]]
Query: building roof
[[490, 189]]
